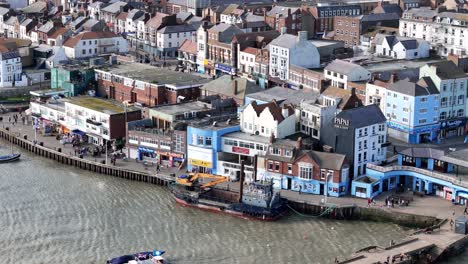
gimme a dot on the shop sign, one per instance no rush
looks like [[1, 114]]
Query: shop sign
[[200, 163], [225, 68], [341, 123], [453, 123], [241, 150]]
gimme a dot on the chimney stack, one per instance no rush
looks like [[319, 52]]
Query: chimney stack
[[299, 143], [285, 111], [272, 138], [302, 36], [236, 88], [353, 91], [393, 77], [284, 30]]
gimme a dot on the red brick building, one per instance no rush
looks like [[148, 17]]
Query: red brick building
[[294, 19], [146, 85]]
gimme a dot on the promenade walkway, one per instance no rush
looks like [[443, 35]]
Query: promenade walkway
[[431, 206]]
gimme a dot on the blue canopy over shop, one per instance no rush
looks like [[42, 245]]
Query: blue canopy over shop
[[146, 152], [78, 132]]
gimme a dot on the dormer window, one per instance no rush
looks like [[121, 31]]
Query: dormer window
[[276, 151]]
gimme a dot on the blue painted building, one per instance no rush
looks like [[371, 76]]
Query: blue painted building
[[204, 143], [424, 170], [412, 110]]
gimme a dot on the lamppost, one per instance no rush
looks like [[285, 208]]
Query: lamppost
[[110, 140]]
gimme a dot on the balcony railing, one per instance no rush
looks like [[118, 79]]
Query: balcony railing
[[434, 174]]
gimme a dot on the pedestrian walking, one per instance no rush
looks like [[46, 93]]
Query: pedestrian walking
[[369, 202], [158, 168], [393, 203], [451, 224], [336, 260], [465, 211], [300, 189]]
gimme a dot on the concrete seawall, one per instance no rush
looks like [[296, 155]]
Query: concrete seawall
[[77, 162], [400, 218]]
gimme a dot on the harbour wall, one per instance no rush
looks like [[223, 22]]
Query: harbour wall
[[59, 156], [346, 212]]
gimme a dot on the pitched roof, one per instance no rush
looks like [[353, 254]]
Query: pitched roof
[[275, 110], [423, 153], [325, 160], [156, 20], [343, 67], [423, 87], [363, 116], [4, 11], [71, 42], [114, 7], [447, 70], [36, 7], [225, 86], [189, 47], [281, 11], [285, 41], [59, 31], [176, 29], [348, 100], [122, 16], [284, 95], [251, 50]]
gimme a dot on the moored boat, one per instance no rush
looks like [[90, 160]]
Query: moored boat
[[257, 201], [10, 158], [146, 257]]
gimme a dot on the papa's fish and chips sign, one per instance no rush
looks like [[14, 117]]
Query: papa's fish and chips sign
[[341, 123]]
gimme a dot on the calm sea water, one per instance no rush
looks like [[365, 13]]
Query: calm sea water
[[50, 213]]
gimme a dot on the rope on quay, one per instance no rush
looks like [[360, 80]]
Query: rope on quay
[[327, 211]]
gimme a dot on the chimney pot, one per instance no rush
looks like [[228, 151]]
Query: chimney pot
[[299, 143]]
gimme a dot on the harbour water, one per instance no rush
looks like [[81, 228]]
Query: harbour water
[[50, 213]]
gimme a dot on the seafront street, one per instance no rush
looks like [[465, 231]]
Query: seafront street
[[428, 206]]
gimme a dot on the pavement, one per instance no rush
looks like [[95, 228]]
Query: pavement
[[428, 205]]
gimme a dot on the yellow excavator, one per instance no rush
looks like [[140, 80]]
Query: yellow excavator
[[193, 178]]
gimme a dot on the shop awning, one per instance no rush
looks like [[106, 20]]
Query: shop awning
[[78, 132], [145, 150]]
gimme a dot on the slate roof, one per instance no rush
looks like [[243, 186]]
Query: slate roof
[[380, 17], [284, 95], [448, 70], [26, 22], [408, 43], [183, 16], [177, 28], [36, 7], [347, 100], [285, 41], [122, 16], [114, 8], [343, 67], [71, 42], [325, 160], [281, 11], [4, 11], [363, 116], [422, 88], [224, 86], [423, 153], [388, 8]]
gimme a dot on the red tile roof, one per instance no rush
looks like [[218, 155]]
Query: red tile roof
[[122, 16], [251, 50], [71, 42], [274, 108], [189, 47], [58, 32]]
